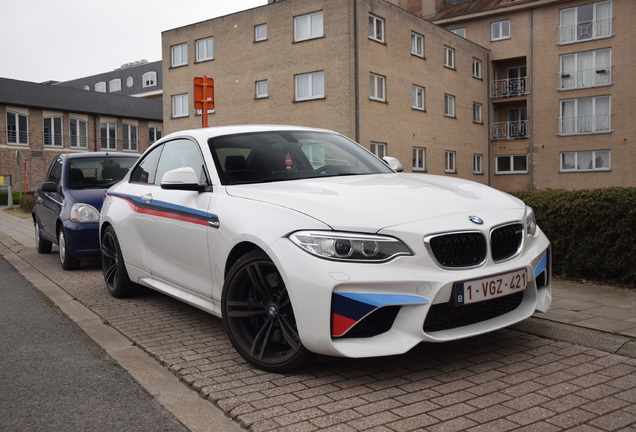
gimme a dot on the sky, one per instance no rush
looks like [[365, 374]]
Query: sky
[[60, 40]]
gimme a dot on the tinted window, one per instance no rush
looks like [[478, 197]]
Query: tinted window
[[55, 173], [145, 171]]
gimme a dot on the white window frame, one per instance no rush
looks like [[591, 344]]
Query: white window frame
[[450, 161], [114, 85], [419, 158], [376, 28], [461, 32], [54, 137], [149, 79], [310, 86], [478, 163], [78, 133], [179, 55], [379, 149], [308, 26], [512, 159], [477, 113], [100, 87], [449, 57], [180, 105], [108, 141], [417, 44], [418, 97], [574, 121], [476, 68], [592, 161], [130, 141], [575, 73], [499, 30], [260, 32], [449, 105], [204, 49], [155, 133], [262, 89], [21, 136], [573, 31], [377, 87]]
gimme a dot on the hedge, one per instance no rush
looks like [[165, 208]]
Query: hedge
[[593, 231]]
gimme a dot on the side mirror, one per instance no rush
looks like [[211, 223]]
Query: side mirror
[[393, 163], [49, 187], [181, 179]]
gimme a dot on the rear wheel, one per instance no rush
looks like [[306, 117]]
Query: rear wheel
[[258, 316], [115, 275], [68, 262], [43, 246]]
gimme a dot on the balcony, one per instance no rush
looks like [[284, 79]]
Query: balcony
[[510, 87], [600, 76], [509, 130], [585, 124]]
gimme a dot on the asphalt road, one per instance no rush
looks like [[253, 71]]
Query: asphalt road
[[54, 378]]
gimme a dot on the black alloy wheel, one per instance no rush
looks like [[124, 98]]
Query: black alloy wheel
[[115, 275], [258, 316]]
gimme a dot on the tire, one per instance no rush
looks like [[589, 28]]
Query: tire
[[42, 246], [115, 275], [258, 316], [68, 262]]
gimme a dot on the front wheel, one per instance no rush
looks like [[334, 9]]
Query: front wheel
[[258, 316], [68, 262], [115, 275]]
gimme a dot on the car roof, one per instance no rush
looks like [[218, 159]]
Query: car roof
[[204, 134]]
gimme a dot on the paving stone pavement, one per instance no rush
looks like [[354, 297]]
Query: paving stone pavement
[[573, 368]]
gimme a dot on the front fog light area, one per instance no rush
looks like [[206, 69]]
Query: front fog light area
[[349, 246], [81, 212]]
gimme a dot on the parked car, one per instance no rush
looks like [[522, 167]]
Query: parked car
[[305, 242], [67, 204]]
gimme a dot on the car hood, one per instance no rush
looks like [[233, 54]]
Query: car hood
[[373, 202], [94, 197]]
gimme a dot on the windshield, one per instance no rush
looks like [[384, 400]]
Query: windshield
[[97, 172], [290, 155]]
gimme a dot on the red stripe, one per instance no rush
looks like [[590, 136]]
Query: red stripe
[[167, 215], [340, 324]]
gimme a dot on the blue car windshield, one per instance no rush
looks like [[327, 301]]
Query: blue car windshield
[[290, 155], [98, 172]]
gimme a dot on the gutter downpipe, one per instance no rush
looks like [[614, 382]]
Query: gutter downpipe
[[531, 105], [490, 108], [357, 71]]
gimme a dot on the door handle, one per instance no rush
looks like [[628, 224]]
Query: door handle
[[147, 198]]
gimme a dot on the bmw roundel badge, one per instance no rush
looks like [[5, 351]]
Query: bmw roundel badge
[[476, 220]]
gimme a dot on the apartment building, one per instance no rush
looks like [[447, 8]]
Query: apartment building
[[40, 121], [369, 69], [561, 87]]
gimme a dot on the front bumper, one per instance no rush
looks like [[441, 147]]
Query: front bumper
[[365, 310], [82, 239]]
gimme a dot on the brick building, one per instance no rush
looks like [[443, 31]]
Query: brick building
[[40, 121], [368, 69]]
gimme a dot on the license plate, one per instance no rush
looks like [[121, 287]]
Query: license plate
[[488, 288]]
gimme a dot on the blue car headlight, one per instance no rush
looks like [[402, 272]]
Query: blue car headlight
[[344, 246], [81, 212]]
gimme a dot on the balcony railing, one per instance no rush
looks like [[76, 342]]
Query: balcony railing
[[510, 130], [585, 30], [600, 76], [585, 124], [509, 87]]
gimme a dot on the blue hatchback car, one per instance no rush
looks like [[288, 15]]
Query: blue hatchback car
[[67, 204]]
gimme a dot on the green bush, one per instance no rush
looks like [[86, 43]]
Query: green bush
[[593, 232], [4, 198], [27, 202]]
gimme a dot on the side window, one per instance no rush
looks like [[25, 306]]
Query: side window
[[55, 173], [145, 171], [179, 154]]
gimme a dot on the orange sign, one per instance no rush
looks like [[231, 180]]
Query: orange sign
[[204, 96]]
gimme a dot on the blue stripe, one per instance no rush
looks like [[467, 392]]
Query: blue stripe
[[543, 264], [167, 207]]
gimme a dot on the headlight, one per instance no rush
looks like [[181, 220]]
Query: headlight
[[84, 213], [531, 221], [349, 247]]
